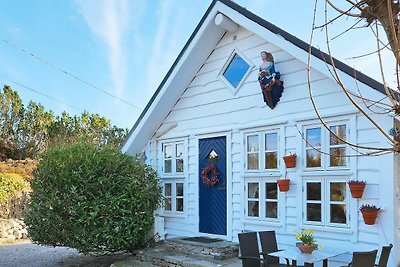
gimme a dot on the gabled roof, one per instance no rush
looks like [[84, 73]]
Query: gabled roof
[[139, 124]]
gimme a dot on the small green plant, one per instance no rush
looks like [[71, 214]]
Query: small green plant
[[93, 199], [306, 237], [368, 207]]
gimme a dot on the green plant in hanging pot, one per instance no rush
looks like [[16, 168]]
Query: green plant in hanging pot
[[357, 188], [369, 213]]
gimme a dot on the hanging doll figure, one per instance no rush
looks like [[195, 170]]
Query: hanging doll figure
[[269, 79]]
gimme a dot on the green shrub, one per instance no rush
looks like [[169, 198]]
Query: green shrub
[[92, 199], [10, 184]]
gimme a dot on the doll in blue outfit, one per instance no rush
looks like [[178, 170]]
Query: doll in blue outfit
[[269, 79]]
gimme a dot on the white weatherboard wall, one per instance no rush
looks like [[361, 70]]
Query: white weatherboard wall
[[207, 106]]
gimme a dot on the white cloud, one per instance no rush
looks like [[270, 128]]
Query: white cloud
[[165, 48], [110, 22]]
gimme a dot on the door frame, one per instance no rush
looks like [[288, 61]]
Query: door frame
[[228, 136]]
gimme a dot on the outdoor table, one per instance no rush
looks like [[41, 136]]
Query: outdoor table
[[295, 255]]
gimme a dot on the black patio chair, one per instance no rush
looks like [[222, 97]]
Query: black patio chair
[[249, 253], [363, 259], [269, 245], [384, 258]]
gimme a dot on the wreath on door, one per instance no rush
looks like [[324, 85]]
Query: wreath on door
[[210, 175]]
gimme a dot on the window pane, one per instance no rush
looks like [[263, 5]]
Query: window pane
[[338, 213], [168, 166], [313, 158], [179, 189], [271, 210], [339, 130], [272, 190], [313, 137], [338, 156], [179, 165], [271, 160], [313, 191], [167, 204], [271, 141], [236, 70], [179, 150], [253, 190], [168, 151], [167, 189], [253, 209], [338, 191], [252, 143], [252, 161], [179, 204], [314, 212]]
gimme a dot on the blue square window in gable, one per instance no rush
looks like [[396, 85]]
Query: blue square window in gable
[[236, 70]]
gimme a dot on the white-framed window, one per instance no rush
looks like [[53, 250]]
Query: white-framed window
[[173, 192], [326, 202], [173, 158], [323, 150], [262, 200], [262, 151], [173, 171], [235, 70]]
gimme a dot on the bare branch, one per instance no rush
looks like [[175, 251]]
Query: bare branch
[[388, 92], [394, 32], [344, 11], [368, 54], [344, 89], [347, 30], [374, 153]]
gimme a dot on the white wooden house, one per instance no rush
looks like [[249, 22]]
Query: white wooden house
[[197, 111]]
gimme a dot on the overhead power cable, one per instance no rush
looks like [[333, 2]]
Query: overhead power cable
[[54, 99], [68, 73], [45, 95]]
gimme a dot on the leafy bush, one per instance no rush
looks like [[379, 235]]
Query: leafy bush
[[92, 199], [10, 184]]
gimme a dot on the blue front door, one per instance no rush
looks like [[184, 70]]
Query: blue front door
[[212, 198]]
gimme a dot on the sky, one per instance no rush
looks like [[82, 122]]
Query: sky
[[109, 56]]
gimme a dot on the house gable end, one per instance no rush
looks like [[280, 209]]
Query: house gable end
[[162, 102]]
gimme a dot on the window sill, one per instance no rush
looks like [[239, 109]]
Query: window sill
[[263, 222], [329, 229], [172, 215], [276, 173], [337, 172], [171, 176]]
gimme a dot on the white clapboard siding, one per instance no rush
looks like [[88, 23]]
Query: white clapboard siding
[[208, 106]]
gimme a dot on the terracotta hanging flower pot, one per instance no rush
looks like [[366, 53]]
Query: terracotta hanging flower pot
[[356, 188], [290, 160], [369, 213], [283, 185]]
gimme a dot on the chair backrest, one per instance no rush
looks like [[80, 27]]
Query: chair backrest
[[364, 259], [248, 245], [384, 258], [269, 245]]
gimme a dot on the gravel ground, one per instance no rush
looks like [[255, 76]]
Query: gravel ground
[[26, 254]]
